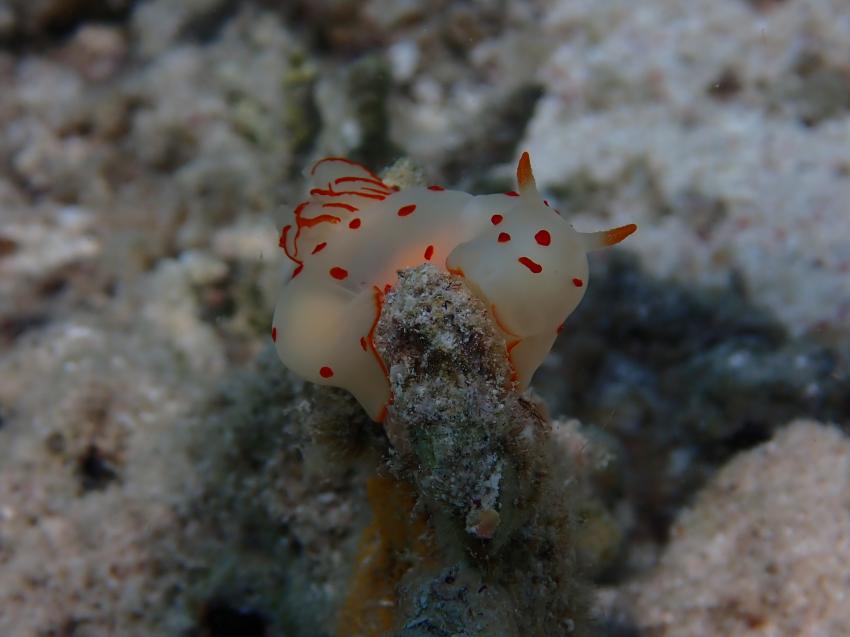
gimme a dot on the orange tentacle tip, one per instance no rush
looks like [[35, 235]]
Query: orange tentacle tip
[[523, 169], [615, 235], [525, 177]]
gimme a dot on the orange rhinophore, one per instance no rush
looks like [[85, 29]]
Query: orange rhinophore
[[350, 238]]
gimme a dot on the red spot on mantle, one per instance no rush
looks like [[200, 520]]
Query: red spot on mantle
[[504, 237], [429, 252], [436, 188], [535, 267], [319, 247], [339, 273], [354, 224], [274, 334], [326, 372], [406, 210], [543, 238], [512, 193], [496, 219], [578, 283], [344, 206]]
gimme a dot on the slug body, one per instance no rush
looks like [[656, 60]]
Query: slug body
[[355, 233]]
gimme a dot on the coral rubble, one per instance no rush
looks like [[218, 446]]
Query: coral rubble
[[764, 550], [485, 462]]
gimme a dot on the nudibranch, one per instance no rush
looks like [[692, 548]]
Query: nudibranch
[[355, 232]]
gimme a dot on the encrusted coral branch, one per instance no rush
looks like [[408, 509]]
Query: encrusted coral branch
[[460, 428], [480, 461]]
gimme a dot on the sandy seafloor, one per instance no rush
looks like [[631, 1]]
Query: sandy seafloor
[[161, 474]]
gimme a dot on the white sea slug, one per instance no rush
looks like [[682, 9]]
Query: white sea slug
[[355, 233]]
